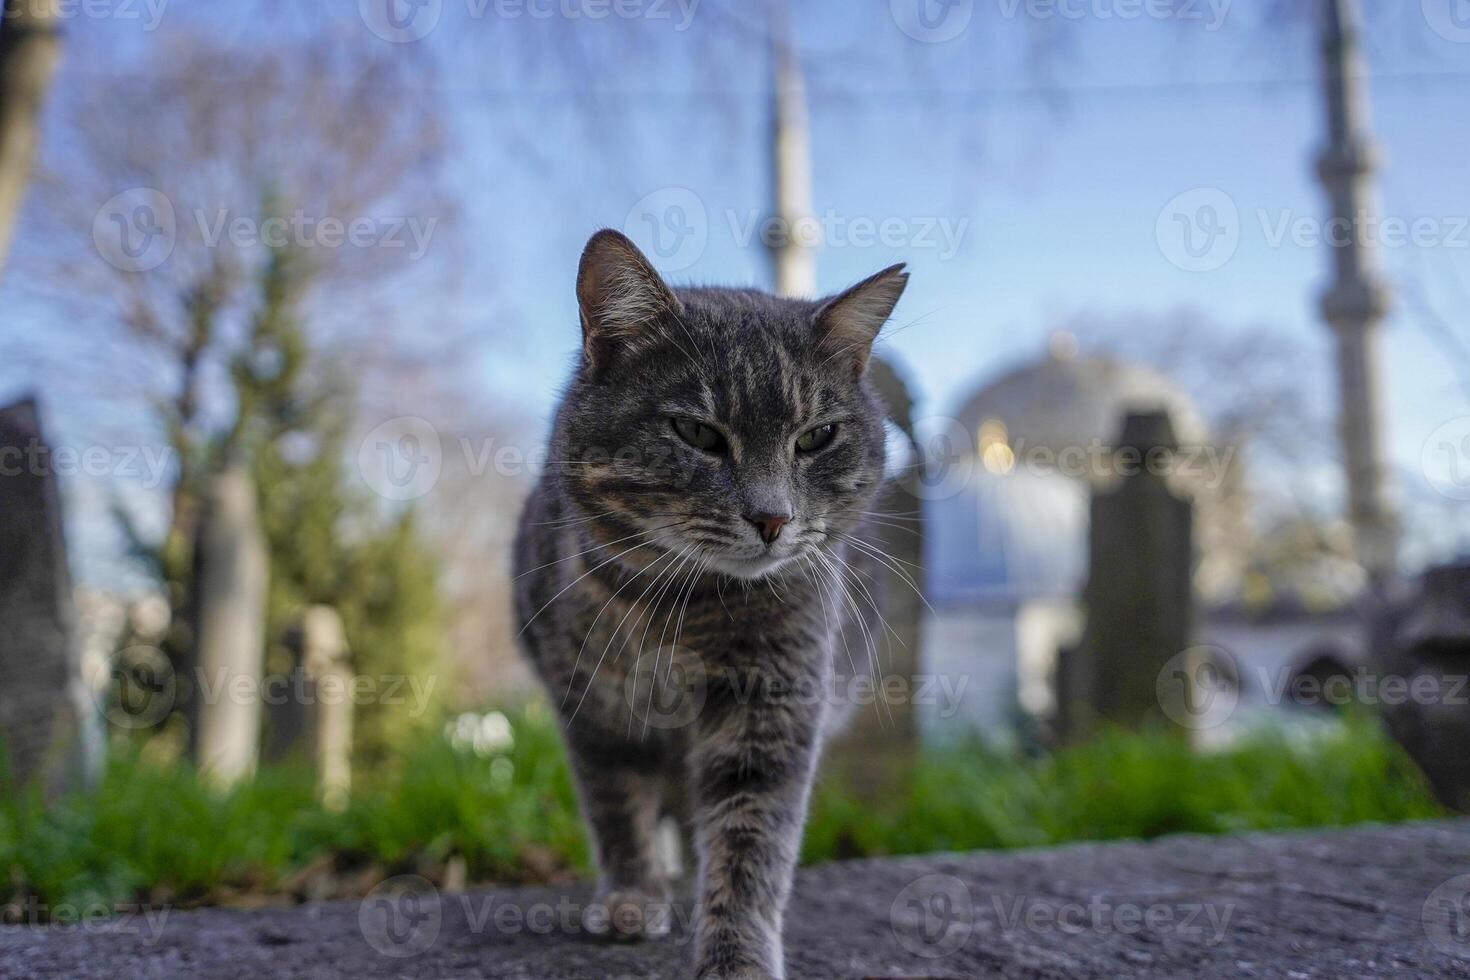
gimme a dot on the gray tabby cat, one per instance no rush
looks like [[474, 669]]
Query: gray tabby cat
[[710, 466]]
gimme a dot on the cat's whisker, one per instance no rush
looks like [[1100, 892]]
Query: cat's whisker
[[853, 539], [888, 639], [906, 517], [576, 666], [638, 651], [916, 516], [857, 576], [877, 668], [910, 466], [688, 582], [897, 527], [684, 557], [532, 619], [888, 561], [851, 579], [910, 584], [830, 559], [684, 607], [658, 651], [681, 603], [609, 544], [826, 620], [587, 688], [720, 591], [571, 521], [671, 570], [840, 590]]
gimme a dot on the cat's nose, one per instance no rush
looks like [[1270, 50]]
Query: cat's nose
[[769, 525]]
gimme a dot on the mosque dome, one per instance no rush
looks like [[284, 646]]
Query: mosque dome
[[1067, 400], [1036, 439]]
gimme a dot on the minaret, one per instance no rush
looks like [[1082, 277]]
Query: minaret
[[794, 252], [1356, 299]]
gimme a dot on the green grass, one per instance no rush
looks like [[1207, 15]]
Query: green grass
[[1128, 786], [156, 833]]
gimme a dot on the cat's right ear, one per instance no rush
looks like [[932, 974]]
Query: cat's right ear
[[848, 323], [623, 300]]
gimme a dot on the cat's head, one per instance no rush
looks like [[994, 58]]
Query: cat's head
[[722, 426]]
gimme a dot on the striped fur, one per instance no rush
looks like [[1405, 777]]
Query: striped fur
[[640, 577]]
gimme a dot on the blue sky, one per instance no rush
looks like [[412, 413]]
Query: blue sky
[[1053, 181], [1059, 205], [1059, 184]]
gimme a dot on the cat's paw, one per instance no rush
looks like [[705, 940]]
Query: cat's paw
[[630, 914]]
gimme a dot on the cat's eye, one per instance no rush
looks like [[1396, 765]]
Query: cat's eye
[[700, 436], [813, 439]]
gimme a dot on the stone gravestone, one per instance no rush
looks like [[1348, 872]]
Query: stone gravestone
[[48, 722], [315, 717], [231, 573], [1138, 597], [1423, 647]]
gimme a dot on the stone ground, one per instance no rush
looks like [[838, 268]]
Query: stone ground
[[1366, 902]]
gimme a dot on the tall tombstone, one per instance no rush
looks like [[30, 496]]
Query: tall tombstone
[[315, 718], [49, 728], [1422, 648], [1139, 595], [231, 575]]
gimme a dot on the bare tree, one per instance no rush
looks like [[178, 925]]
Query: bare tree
[[166, 199], [164, 196]]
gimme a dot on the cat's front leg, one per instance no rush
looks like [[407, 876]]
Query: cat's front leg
[[752, 763], [621, 799]]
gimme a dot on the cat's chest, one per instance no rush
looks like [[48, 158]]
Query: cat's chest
[[633, 657]]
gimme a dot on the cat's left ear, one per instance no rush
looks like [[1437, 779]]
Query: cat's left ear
[[848, 323]]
